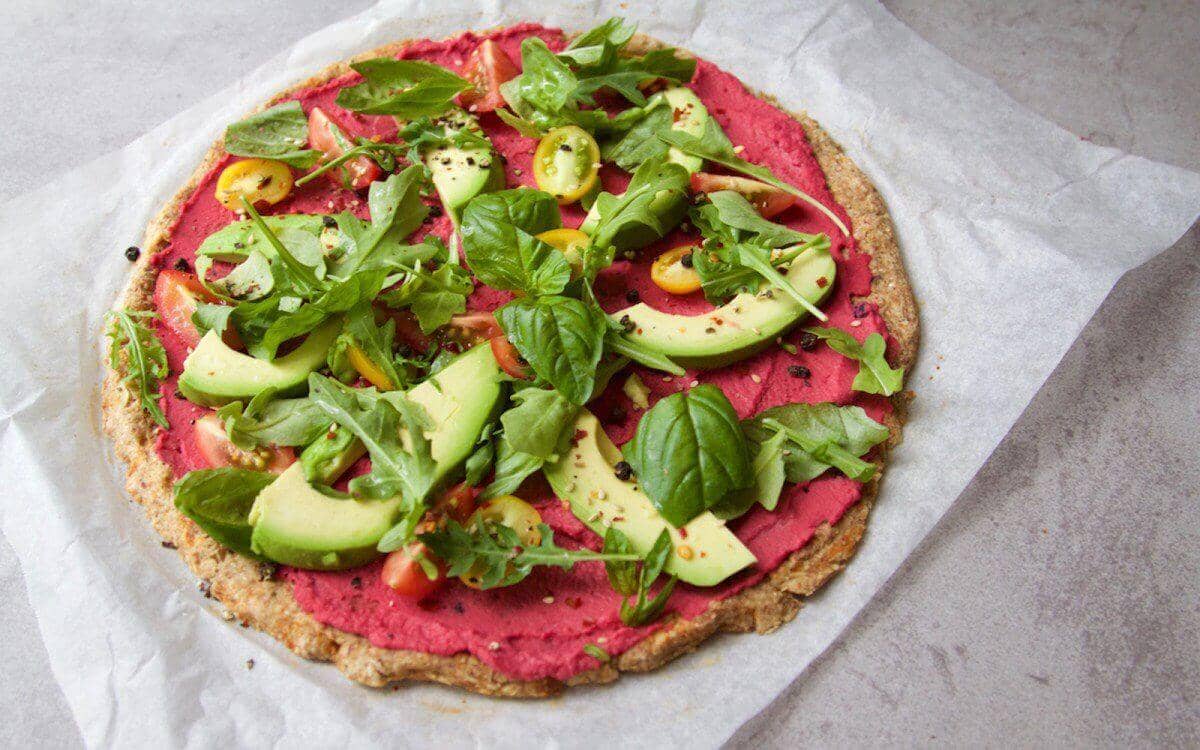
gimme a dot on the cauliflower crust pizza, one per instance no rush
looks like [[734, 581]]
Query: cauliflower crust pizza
[[513, 361]]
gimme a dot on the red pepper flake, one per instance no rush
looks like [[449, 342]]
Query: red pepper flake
[[579, 435], [822, 282], [682, 533], [574, 602]]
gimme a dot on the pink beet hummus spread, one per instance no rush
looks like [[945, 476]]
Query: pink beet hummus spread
[[538, 628]]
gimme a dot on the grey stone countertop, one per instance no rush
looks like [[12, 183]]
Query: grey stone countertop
[[1057, 603]]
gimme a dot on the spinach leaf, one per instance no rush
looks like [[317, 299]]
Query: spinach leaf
[[405, 88], [546, 82], [135, 350], [539, 422], [279, 133], [875, 375], [269, 421], [383, 425], [640, 142], [498, 238], [819, 437], [689, 453], [713, 145], [219, 501], [561, 338]]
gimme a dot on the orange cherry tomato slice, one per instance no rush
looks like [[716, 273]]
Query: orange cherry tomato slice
[[218, 451], [768, 200], [567, 163], [571, 243], [259, 180], [323, 133], [516, 514], [487, 68], [671, 273]]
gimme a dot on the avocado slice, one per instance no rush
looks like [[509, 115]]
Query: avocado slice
[[459, 174], [234, 242], [586, 479], [690, 116], [741, 327], [297, 524], [214, 374]]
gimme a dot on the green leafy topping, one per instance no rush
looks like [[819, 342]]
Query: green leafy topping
[[539, 422], [596, 652], [561, 338], [135, 350], [629, 578], [219, 501], [714, 146], [434, 296], [635, 350], [689, 453], [407, 89], [651, 206], [639, 142], [495, 553], [498, 238], [819, 437], [457, 129], [279, 133], [512, 468], [479, 463], [729, 215], [266, 420], [769, 476], [376, 342], [875, 375], [384, 425]]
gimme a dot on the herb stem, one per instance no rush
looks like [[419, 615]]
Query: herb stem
[[298, 269], [778, 280]]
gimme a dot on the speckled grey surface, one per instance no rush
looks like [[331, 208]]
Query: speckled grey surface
[[1056, 604]]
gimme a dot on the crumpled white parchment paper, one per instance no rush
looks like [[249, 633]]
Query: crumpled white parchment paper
[[1013, 231]]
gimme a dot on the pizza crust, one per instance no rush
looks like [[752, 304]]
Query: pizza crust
[[248, 591]]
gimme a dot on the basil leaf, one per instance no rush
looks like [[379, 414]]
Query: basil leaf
[[819, 437], [713, 145], [405, 88], [539, 422], [135, 350], [637, 351], [561, 338], [219, 501], [279, 133], [769, 476], [381, 424], [689, 453], [498, 238], [875, 375]]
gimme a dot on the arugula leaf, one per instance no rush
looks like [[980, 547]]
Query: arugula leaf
[[135, 350], [279, 133], [480, 461], [819, 437], [652, 205], [713, 145], [622, 574], [643, 611], [378, 423], [498, 238], [303, 276], [769, 475], [434, 296], [748, 257], [219, 501], [561, 338], [617, 343], [875, 375], [512, 468], [496, 554], [539, 422], [640, 141], [377, 343], [689, 453], [382, 153], [405, 88], [269, 421], [733, 211]]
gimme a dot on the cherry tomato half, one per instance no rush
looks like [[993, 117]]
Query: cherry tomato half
[[509, 358], [768, 200], [323, 134], [473, 328], [259, 180], [218, 451], [175, 296], [488, 67], [402, 570], [567, 163], [516, 514], [672, 273]]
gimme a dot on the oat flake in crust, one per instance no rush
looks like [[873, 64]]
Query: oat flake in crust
[[246, 587]]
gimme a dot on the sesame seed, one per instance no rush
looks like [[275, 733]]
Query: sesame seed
[[548, 600], [855, 323], [755, 377], [493, 646]]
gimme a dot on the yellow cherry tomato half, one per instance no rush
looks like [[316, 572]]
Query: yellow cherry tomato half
[[571, 243], [567, 164], [260, 180], [672, 273], [368, 369], [512, 512]]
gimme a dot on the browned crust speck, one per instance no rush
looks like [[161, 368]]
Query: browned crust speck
[[250, 594]]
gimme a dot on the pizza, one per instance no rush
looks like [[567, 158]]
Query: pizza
[[513, 361]]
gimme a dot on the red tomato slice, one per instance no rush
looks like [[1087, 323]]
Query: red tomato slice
[[408, 330], [402, 571], [457, 502], [509, 358], [488, 67], [175, 296], [218, 451], [768, 200], [474, 327], [361, 172]]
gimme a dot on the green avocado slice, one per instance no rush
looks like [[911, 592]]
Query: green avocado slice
[[298, 524], [214, 374], [584, 476], [741, 327], [690, 116]]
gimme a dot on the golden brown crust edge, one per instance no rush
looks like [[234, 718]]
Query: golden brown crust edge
[[249, 594]]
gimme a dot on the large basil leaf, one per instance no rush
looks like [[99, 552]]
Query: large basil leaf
[[279, 133], [498, 238], [689, 453], [406, 88], [769, 475], [819, 437], [219, 501], [561, 338]]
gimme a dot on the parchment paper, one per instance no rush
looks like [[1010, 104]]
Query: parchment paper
[[1013, 231]]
